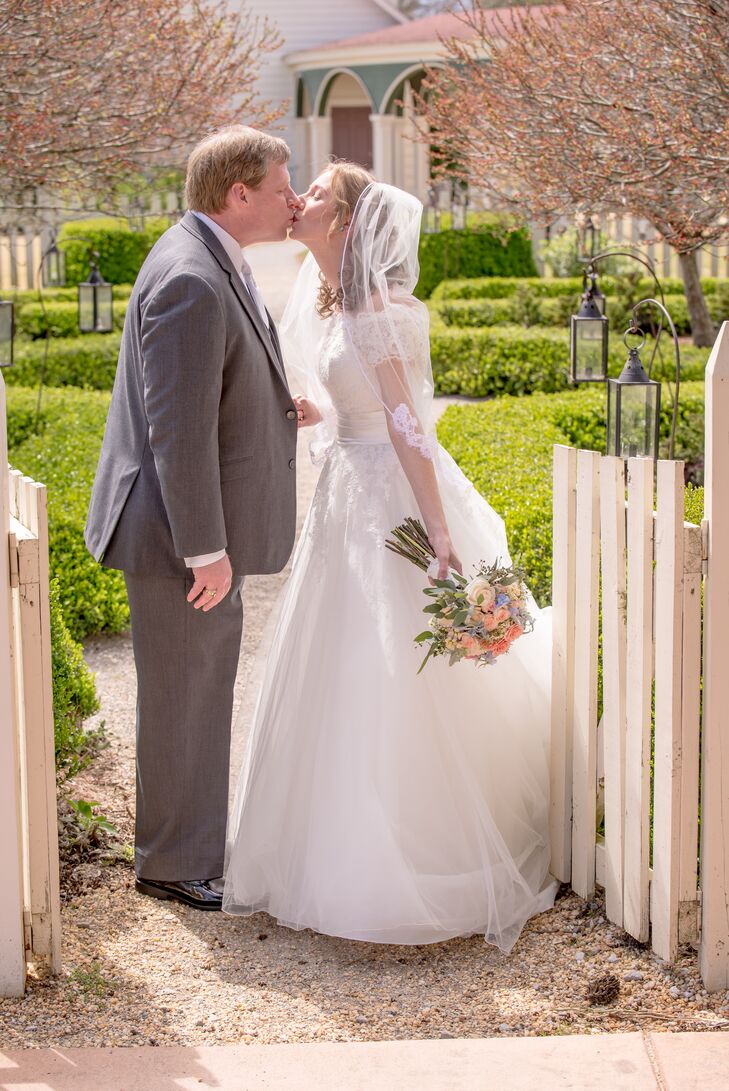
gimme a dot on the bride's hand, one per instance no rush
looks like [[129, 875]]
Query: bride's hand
[[307, 412], [446, 557]]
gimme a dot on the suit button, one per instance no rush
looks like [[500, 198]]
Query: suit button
[[292, 463], [290, 414]]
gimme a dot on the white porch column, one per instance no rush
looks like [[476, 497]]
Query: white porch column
[[320, 145], [382, 152]]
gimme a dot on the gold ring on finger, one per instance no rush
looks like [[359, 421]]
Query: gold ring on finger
[[212, 593]]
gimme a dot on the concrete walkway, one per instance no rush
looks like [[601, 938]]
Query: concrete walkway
[[614, 1062]]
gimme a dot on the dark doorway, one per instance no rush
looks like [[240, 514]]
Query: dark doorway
[[352, 134]]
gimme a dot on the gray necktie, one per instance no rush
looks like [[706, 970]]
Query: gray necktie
[[253, 292]]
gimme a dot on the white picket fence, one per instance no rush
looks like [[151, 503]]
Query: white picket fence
[[634, 576], [30, 925]]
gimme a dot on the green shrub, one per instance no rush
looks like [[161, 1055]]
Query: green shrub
[[74, 696], [487, 251], [489, 361], [23, 296], [21, 423], [505, 447], [477, 312], [64, 457], [87, 361], [60, 319], [498, 287], [522, 308], [694, 504], [501, 287], [121, 251]]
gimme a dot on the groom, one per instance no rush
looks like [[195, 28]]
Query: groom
[[195, 488]]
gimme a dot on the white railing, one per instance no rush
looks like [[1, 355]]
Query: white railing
[[30, 907], [634, 577]]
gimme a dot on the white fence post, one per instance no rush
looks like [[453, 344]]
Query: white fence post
[[584, 742], [38, 767], [639, 676], [714, 948], [563, 623], [612, 536], [12, 933], [668, 710]]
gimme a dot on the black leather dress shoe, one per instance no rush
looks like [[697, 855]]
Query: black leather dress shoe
[[197, 893]]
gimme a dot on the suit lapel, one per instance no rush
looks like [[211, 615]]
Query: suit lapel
[[269, 340]]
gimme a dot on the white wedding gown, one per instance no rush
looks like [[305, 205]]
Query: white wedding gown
[[373, 803]]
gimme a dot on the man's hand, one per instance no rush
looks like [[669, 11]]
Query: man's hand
[[306, 412], [212, 584]]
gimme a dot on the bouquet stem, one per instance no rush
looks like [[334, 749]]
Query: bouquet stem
[[411, 542]]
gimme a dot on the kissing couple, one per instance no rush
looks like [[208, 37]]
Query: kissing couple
[[373, 803]]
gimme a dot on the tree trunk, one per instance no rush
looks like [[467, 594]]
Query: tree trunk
[[702, 327]]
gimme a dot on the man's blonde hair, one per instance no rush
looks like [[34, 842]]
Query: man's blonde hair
[[234, 154]]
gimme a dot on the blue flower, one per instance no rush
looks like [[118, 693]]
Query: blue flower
[[502, 599]]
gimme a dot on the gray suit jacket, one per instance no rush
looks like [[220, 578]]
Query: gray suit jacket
[[200, 442]]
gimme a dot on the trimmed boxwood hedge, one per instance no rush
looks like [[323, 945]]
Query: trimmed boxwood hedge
[[494, 360], [500, 287], [64, 456], [60, 319], [505, 447], [87, 361], [556, 311], [485, 251], [23, 296], [121, 251]]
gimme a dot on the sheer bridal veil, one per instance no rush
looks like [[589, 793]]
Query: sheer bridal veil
[[385, 327]]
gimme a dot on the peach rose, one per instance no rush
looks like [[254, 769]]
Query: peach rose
[[501, 614], [489, 623]]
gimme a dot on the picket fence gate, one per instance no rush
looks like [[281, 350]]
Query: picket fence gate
[[643, 572], [656, 759], [30, 917]]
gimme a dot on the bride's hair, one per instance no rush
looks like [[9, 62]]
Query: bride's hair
[[348, 182]]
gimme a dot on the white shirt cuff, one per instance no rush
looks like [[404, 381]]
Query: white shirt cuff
[[204, 558]]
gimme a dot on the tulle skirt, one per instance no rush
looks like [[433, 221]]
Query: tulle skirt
[[375, 803]]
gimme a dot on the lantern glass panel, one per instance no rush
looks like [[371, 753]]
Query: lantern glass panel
[[638, 421], [86, 308], [633, 419], [95, 308], [53, 269], [104, 309], [7, 332], [589, 349]]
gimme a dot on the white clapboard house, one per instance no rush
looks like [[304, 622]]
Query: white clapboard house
[[348, 72]]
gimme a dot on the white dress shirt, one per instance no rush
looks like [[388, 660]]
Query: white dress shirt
[[235, 252]]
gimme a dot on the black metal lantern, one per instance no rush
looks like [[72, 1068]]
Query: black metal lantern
[[588, 342], [596, 290], [53, 266], [7, 332], [634, 408], [95, 311]]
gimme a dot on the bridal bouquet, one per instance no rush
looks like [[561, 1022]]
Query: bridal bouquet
[[475, 619]]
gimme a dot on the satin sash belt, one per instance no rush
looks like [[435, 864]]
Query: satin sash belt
[[367, 427]]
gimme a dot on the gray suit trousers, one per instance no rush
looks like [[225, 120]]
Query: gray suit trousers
[[186, 664]]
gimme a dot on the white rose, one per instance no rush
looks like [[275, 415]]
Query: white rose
[[480, 589]]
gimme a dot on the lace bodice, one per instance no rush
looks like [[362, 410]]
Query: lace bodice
[[350, 390], [353, 389]]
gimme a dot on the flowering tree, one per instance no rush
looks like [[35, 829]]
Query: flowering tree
[[93, 91], [591, 105]]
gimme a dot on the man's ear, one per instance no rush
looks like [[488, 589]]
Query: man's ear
[[238, 192]]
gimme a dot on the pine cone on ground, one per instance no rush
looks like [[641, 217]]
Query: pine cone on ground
[[603, 989]]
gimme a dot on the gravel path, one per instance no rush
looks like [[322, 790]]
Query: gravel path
[[138, 971]]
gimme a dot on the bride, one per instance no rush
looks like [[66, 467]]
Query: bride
[[374, 803]]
